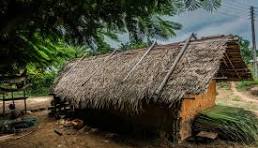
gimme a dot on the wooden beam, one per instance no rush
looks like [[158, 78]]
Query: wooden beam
[[232, 65], [13, 80], [4, 90], [179, 56], [189, 96], [220, 78], [144, 55], [225, 63]]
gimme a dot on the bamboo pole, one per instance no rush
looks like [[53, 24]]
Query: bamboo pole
[[179, 56], [144, 55]]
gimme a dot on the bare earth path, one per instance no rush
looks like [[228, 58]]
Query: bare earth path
[[233, 97], [243, 96]]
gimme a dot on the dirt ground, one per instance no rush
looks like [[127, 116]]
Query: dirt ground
[[232, 97], [45, 137]]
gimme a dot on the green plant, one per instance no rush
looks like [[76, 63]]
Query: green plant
[[133, 45], [245, 85], [41, 76], [230, 123], [236, 98], [40, 80], [82, 23], [245, 50], [224, 85]]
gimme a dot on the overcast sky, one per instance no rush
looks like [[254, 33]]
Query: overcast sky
[[233, 17]]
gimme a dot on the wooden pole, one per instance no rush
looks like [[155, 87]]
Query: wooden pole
[[12, 97], [253, 41], [144, 55], [3, 104], [179, 56], [25, 105]]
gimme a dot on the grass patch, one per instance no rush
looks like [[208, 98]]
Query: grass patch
[[236, 99], [224, 85], [245, 85], [39, 92], [234, 124]]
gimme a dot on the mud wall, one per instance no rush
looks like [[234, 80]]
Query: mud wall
[[192, 106]]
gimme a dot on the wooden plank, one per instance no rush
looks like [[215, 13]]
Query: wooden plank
[[179, 56], [144, 55], [18, 98], [189, 96], [2, 90], [210, 135], [13, 80], [220, 78]]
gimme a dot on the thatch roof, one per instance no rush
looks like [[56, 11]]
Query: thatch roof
[[97, 82]]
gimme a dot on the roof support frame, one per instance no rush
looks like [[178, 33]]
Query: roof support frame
[[232, 65], [179, 56]]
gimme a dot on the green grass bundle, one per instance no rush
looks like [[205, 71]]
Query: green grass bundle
[[230, 123]]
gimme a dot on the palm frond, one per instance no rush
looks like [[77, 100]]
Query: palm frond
[[230, 123]]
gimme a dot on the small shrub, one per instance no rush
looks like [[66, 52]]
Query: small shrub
[[245, 85], [40, 84], [224, 85], [40, 80]]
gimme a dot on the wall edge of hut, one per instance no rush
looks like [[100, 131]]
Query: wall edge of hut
[[192, 106]]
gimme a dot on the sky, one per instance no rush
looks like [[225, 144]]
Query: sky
[[233, 17]]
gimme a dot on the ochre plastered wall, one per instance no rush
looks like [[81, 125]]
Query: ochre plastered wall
[[192, 106]]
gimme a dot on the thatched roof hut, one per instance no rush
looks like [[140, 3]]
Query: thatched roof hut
[[98, 83], [102, 82]]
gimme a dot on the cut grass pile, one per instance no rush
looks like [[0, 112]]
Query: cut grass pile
[[234, 124]]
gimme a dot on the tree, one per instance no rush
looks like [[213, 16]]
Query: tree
[[245, 50], [83, 21]]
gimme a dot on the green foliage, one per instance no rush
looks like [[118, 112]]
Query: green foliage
[[245, 85], [24, 23], [40, 80], [42, 76], [245, 51], [224, 85], [43, 33], [230, 123], [133, 45]]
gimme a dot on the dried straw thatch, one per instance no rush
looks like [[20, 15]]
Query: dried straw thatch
[[98, 82]]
